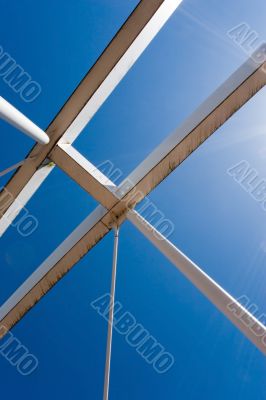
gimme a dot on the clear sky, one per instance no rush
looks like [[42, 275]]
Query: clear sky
[[217, 223]]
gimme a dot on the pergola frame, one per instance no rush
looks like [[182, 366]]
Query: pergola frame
[[117, 203]]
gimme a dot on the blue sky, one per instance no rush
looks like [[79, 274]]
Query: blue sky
[[217, 224]]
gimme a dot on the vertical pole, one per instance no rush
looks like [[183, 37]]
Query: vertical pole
[[111, 317]]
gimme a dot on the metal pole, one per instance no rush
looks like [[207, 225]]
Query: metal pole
[[10, 169], [111, 317], [21, 122]]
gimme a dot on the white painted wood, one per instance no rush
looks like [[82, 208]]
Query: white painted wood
[[249, 325], [24, 196], [142, 41], [36, 278]]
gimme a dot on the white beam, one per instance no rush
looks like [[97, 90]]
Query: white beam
[[83, 172], [10, 207], [213, 113], [76, 245], [252, 328], [156, 22]]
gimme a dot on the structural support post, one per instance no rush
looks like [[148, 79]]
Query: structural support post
[[111, 317]]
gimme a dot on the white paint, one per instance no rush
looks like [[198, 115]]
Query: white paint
[[21, 122]]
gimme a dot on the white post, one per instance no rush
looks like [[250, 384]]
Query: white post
[[111, 318], [21, 122]]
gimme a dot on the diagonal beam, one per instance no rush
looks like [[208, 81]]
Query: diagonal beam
[[249, 325], [11, 206], [155, 14], [213, 113], [114, 63], [83, 172], [74, 247]]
